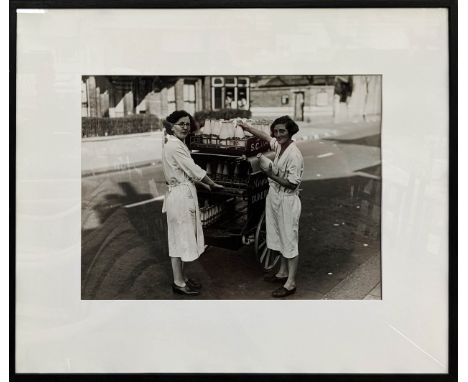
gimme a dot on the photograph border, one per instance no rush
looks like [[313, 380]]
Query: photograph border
[[452, 7]]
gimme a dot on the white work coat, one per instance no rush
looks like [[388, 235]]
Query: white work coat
[[283, 206], [184, 228]]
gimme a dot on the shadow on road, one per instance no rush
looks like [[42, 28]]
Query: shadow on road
[[373, 140], [126, 243]]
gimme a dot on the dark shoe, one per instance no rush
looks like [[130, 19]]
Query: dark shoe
[[283, 292], [184, 290], [193, 284], [272, 278]]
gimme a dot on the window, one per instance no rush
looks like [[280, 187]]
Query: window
[[322, 98], [284, 99], [189, 97], [217, 101], [230, 81], [230, 93], [218, 81], [243, 82], [242, 99], [230, 98], [171, 103]]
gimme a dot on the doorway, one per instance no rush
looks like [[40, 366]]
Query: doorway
[[299, 106]]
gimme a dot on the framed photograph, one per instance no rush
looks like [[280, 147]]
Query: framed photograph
[[125, 176], [235, 191]]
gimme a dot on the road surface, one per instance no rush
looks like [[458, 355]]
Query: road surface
[[124, 244]]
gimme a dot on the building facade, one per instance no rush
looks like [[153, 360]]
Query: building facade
[[317, 98]]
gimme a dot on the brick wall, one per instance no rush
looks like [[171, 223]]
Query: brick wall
[[91, 93], [318, 102], [268, 97], [207, 93], [179, 94], [153, 103]]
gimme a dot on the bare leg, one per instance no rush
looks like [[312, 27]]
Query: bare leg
[[177, 271], [183, 271], [292, 267], [283, 269]]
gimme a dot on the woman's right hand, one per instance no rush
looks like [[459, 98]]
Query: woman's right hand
[[217, 187], [204, 185]]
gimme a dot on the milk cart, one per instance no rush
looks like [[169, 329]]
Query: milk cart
[[235, 216]]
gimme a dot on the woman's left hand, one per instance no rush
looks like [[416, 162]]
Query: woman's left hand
[[269, 171]]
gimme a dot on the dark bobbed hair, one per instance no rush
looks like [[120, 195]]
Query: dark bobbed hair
[[287, 121], [172, 118]]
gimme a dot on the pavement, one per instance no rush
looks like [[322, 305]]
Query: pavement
[[116, 153]]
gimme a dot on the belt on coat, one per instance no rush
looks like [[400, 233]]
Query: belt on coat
[[282, 191], [172, 185], [175, 184]]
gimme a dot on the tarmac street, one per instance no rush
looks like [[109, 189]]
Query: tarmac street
[[124, 237]]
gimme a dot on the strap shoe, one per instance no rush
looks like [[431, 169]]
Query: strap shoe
[[193, 284], [283, 292], [184, 290]]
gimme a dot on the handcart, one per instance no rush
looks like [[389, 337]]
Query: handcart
[[235, 216]]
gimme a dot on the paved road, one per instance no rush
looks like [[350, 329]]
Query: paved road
[[126, 257], [122, 152]]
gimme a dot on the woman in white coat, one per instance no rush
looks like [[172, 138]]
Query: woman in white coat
[[185, 234], [283, 206]]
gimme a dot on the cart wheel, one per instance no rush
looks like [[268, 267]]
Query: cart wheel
[[267, 258]]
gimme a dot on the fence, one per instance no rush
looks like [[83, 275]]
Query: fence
[[101, 127]]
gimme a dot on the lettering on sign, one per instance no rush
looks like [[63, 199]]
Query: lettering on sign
[[257, 145], [259, 182], [258, 196], [254, 146]]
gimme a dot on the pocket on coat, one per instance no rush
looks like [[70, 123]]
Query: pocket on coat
[[188, 193], [192, 208], [191, 205]]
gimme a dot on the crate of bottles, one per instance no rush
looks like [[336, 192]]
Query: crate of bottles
[[226, 137], [241, 176], [231, 171], [212, 211]]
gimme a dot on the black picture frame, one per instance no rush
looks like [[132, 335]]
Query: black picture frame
[[452, 7]]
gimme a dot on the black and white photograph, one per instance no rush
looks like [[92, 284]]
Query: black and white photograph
[[231, 187], [206, 190]]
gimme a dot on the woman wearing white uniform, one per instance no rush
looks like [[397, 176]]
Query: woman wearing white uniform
[[283, 206], [185, 234]]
